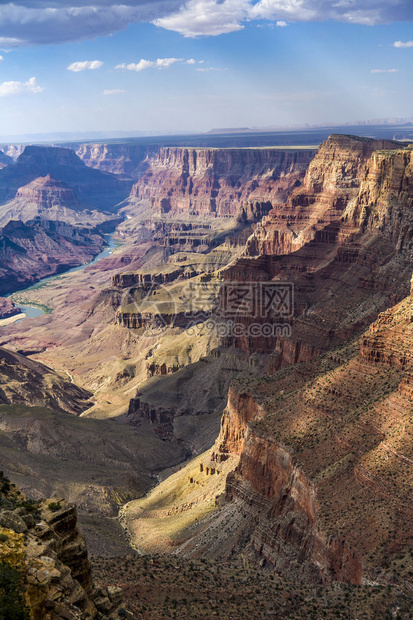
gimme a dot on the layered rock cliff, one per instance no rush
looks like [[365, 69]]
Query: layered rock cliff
[[127, 160], [345, 250], [322, 489], [219, 181]]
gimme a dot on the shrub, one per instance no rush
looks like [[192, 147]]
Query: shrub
[[11, 601], [54, 506]]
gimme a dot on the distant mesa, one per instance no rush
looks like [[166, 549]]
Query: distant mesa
[[42, 155], [48, 192]]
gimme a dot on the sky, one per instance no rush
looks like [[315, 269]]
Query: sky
[[172, 66]]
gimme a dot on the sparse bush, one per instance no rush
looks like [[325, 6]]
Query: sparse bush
[[54, 506]]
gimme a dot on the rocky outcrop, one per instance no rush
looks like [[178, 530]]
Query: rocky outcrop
[[218, 182], [35, 249], [241, 408], [41, 543], [8, 308]]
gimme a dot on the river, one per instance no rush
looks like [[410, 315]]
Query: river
[[33, 311]]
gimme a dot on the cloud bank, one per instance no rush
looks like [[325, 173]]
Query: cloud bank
[[37, 22]]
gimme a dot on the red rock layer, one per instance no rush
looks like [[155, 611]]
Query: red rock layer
[[219, 181], [47, 192]]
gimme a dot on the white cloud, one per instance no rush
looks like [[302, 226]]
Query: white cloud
[[385, 71], [207, 17], [191, 61], [167, 62], [403, 44], [18, 88], [160, 63], [84, 65], [281, 24], [1, 58], [114, 91]]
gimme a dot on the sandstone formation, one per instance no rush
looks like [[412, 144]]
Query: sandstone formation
[[332, 179], [47, 192], [218, 181], [345, 265], [41, 542]]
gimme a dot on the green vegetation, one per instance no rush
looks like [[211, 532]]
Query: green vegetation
[[11, 601], [24, 301], [54, 506]]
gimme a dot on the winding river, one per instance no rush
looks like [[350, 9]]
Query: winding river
[[34, 311]]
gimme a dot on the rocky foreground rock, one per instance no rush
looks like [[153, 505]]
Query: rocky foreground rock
[[41, 544]]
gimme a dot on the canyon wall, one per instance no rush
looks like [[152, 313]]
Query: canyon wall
[[332, 179], [271, 491], [127, 160], [342, 241], [219, 181]]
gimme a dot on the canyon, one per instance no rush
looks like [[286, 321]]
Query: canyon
[[289, 450]]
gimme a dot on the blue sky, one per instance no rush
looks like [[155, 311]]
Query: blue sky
[[105, 67]]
